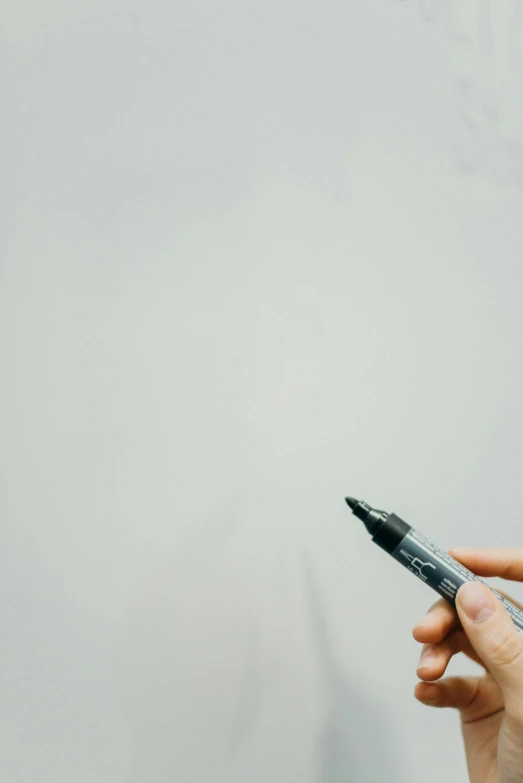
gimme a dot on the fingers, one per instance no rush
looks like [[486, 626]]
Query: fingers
[[507, 563], [441, 619], [436, 657], [494, 637], [474, 697], [437, 623]]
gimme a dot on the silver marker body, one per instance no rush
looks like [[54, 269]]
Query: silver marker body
[[428, 562]]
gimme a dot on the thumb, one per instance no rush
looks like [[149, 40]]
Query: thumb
[[493, 636]]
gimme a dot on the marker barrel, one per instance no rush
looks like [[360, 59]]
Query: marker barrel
[[431, 564]]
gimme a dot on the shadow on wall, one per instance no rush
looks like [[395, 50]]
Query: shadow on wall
[[353, 742], [188, 633], [250, 697]]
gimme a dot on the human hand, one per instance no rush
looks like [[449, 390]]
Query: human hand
[[490, 706]]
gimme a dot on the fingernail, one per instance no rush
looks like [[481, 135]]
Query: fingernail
[[476, 602], [428, 656]]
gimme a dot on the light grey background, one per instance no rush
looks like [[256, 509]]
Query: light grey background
[[254, 256]]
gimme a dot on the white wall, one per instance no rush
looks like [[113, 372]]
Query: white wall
[[254, 257]]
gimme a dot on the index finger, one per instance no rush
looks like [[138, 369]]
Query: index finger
[[440, 619], [506, 563]]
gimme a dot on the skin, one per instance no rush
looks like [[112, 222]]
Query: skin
[[491, 705]]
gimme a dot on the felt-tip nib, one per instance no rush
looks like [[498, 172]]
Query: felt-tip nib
[[351, 502]]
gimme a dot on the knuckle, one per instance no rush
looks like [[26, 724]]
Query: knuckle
[[506, 650], [471, 701]]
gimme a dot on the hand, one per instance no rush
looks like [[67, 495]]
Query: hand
[[491, 706]]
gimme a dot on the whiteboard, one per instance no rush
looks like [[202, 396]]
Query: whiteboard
[[255, 257]]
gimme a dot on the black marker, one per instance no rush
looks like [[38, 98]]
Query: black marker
[[431, 564]]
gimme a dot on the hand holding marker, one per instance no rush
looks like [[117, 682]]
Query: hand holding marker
[[473, 619], [431, 564]]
